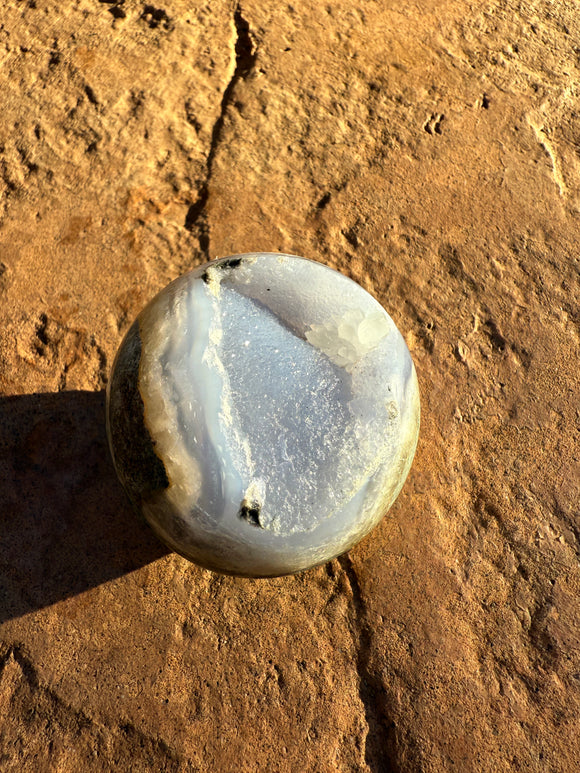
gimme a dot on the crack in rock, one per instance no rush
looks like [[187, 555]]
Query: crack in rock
[[245, 57], [380, 753], [30, 704]]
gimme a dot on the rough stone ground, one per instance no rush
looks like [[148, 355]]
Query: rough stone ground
[[429, 150]]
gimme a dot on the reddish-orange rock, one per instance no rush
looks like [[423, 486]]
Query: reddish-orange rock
[[428, 151]]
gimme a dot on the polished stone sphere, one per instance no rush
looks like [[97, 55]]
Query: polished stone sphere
[[263, 413]]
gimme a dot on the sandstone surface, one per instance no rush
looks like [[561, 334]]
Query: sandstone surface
[[430, 151]]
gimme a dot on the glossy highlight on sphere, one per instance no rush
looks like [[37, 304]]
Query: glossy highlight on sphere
[[263, 414]]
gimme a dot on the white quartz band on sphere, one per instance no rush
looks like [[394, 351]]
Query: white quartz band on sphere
[[263, 414]]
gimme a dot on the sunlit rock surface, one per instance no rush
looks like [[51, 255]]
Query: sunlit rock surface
[[263, 414]]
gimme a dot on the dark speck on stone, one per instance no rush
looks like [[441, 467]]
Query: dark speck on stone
[[230, 263], [250, 512]]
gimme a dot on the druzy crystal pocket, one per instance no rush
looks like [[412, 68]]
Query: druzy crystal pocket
[[263, 413]]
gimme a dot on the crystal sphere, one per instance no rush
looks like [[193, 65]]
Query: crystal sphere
[[262, 414]]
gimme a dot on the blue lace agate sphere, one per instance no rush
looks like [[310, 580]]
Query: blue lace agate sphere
[[263, 413]]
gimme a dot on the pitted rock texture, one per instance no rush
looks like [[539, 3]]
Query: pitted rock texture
[[431, 153]]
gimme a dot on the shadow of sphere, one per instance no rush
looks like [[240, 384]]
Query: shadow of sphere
[[65, 522]]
